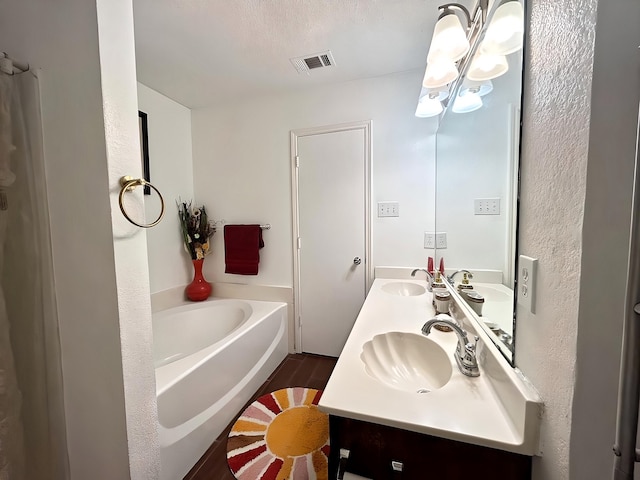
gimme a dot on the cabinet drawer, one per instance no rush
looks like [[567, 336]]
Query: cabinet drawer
[[373, 447]]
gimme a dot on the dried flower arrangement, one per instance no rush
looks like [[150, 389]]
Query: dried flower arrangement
[[196, 228]]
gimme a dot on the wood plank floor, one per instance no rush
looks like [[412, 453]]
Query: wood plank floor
[[297, 370]]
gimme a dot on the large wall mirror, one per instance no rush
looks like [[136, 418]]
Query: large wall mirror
[[477, 158]]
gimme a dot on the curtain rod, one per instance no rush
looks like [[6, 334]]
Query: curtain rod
[[10, 66]]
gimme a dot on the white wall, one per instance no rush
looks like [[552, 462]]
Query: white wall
[[119, 94], [171, 167], [242, 167], [555, 140], [612, 143], [74, 144], [61, 38]]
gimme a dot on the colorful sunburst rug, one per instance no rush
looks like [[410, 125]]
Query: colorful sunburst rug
[[281, 436]]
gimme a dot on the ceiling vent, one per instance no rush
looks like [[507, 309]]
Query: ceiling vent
[[311, 62]]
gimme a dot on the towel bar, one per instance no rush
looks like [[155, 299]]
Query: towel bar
[[266, 226]]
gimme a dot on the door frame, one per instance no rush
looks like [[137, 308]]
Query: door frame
[[365, 126]]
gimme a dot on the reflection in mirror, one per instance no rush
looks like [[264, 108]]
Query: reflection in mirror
[[477, 156]]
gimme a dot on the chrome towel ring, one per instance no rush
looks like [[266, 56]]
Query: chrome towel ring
[[128, 184]]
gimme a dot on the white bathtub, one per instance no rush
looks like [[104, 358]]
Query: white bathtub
[[210, 357]]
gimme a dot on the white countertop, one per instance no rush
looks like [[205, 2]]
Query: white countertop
[[465, 409]]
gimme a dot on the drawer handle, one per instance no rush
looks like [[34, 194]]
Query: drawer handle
[[342, 466], [397, 468]]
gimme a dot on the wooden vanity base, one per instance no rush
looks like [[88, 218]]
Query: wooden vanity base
[[373, 447]]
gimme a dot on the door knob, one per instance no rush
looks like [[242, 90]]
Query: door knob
[[357, 261]]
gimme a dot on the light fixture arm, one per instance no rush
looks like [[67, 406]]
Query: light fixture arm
[[483, 6], [477, 23], [449, 7]]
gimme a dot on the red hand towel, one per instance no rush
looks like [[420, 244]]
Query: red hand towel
[[241, 248]]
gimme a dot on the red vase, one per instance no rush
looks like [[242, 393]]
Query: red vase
[[199, 289]]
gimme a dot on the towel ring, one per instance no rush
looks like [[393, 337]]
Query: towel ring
[[128, 184]]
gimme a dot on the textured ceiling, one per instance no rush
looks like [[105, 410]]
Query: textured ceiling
[[203, 52]]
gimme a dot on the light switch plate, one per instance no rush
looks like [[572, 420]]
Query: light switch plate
[[429, 240], [486, 206], [441, 240], [527, 276], [388, 209]]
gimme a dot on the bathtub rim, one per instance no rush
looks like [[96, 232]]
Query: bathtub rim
[[242, 305], [171, 373], [170, 434]]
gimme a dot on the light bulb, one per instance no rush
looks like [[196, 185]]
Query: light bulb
[[439, 73], [481, 88], [486, 67], [441, 93], [428, 107], [506, 31], [466, 103], [449, 40]]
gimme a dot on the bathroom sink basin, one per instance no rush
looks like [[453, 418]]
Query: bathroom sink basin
[[493, 294], [404, 289], [407, 361]]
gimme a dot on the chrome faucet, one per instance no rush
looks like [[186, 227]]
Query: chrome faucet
[[465, 351], [429, 277], [451, 279]]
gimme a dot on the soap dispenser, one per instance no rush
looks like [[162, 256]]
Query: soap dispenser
[[437, 280], [437, 286], [464, 286], [475, 301], [442, 300]]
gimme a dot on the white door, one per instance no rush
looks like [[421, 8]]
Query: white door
[[332, 211]]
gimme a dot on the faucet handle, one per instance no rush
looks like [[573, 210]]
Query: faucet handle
[[469, 361], [470, 348]]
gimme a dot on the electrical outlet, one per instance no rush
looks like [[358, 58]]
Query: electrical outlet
[[429, 240], [527, 276], [441, 240], [388, 209], [486, 206]]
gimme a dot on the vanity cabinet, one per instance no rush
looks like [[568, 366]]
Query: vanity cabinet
[[373, 447], [469, 427]]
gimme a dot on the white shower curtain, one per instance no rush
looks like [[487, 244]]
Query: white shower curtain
[[11, 430], [32, 425]]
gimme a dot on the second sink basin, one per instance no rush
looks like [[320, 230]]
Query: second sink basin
[[494, 293], [407, 361], [404, 289]]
